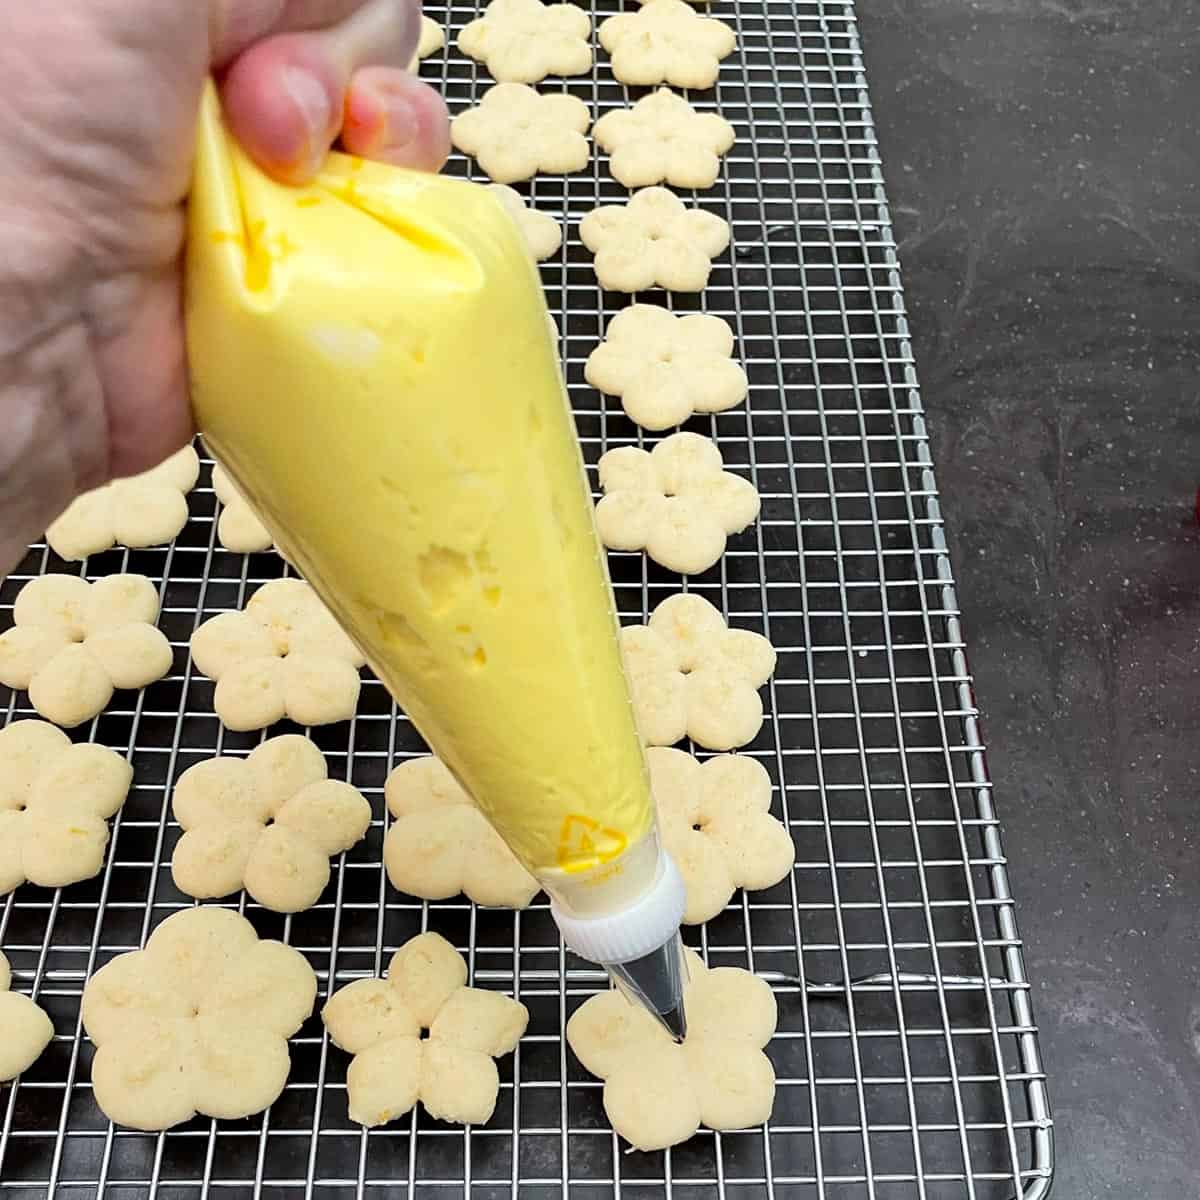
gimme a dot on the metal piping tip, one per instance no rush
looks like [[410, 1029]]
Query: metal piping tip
[[674, 1022], [656, 982]]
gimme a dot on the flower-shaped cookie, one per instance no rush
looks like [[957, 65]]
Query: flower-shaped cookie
[[197, 1022], [73, 642], [514, 132], [451, 1072], [663, 139], [541, 231], [55, 801], [523, 41], [658, 1093], [653, 241], [25, 1031], [144, 510], [284, 656], [431, 41], [664, 368], [692, 676], [716, 824], [667, 41], [238, 527], [675, 502], [441, 844], [268, 823]]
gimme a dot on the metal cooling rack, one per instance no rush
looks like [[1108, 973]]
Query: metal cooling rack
[[907, 1055]]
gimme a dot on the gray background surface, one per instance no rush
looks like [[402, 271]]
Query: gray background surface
[[1043, 165]]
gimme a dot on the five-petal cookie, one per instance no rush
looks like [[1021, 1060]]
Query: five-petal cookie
[[523, 41], [440, 844], [514, 132], [675, 502], [692, 676], [663, 139], [657, 1093], [665, 367], [716, 823], [25, 1031], [268, 823], [197, 1022], [432, 39], [284, 656], [452, 1072], [73, 642], [238, 527], [55, 801], [667, 41], [653, 241], [541, 231], [144, 510]]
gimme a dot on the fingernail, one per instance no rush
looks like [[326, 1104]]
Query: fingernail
[[401, 124], [311, 99]]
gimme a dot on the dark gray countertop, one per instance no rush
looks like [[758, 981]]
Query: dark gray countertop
[[1043, 164]]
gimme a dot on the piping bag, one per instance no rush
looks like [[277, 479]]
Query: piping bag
[[373, 362]]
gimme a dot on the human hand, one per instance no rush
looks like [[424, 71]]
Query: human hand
[[98, 107]]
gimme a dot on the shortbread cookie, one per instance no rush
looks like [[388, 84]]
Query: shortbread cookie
[[284, 656], [663, 139], [451, 1072], [653, 241], [440, 844], [692, 676], [665, 368], [25, 1031], [716, 824], [197, 1022], [667, 41], [55, 801], [269, 823], [73, 642], [432, 40], [144, 510], [675, 502], [523, 41], [238, 527], [541, 232], [515, 132], [658, 1094]]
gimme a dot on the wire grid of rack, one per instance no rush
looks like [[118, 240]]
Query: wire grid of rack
[[906, 1055]]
